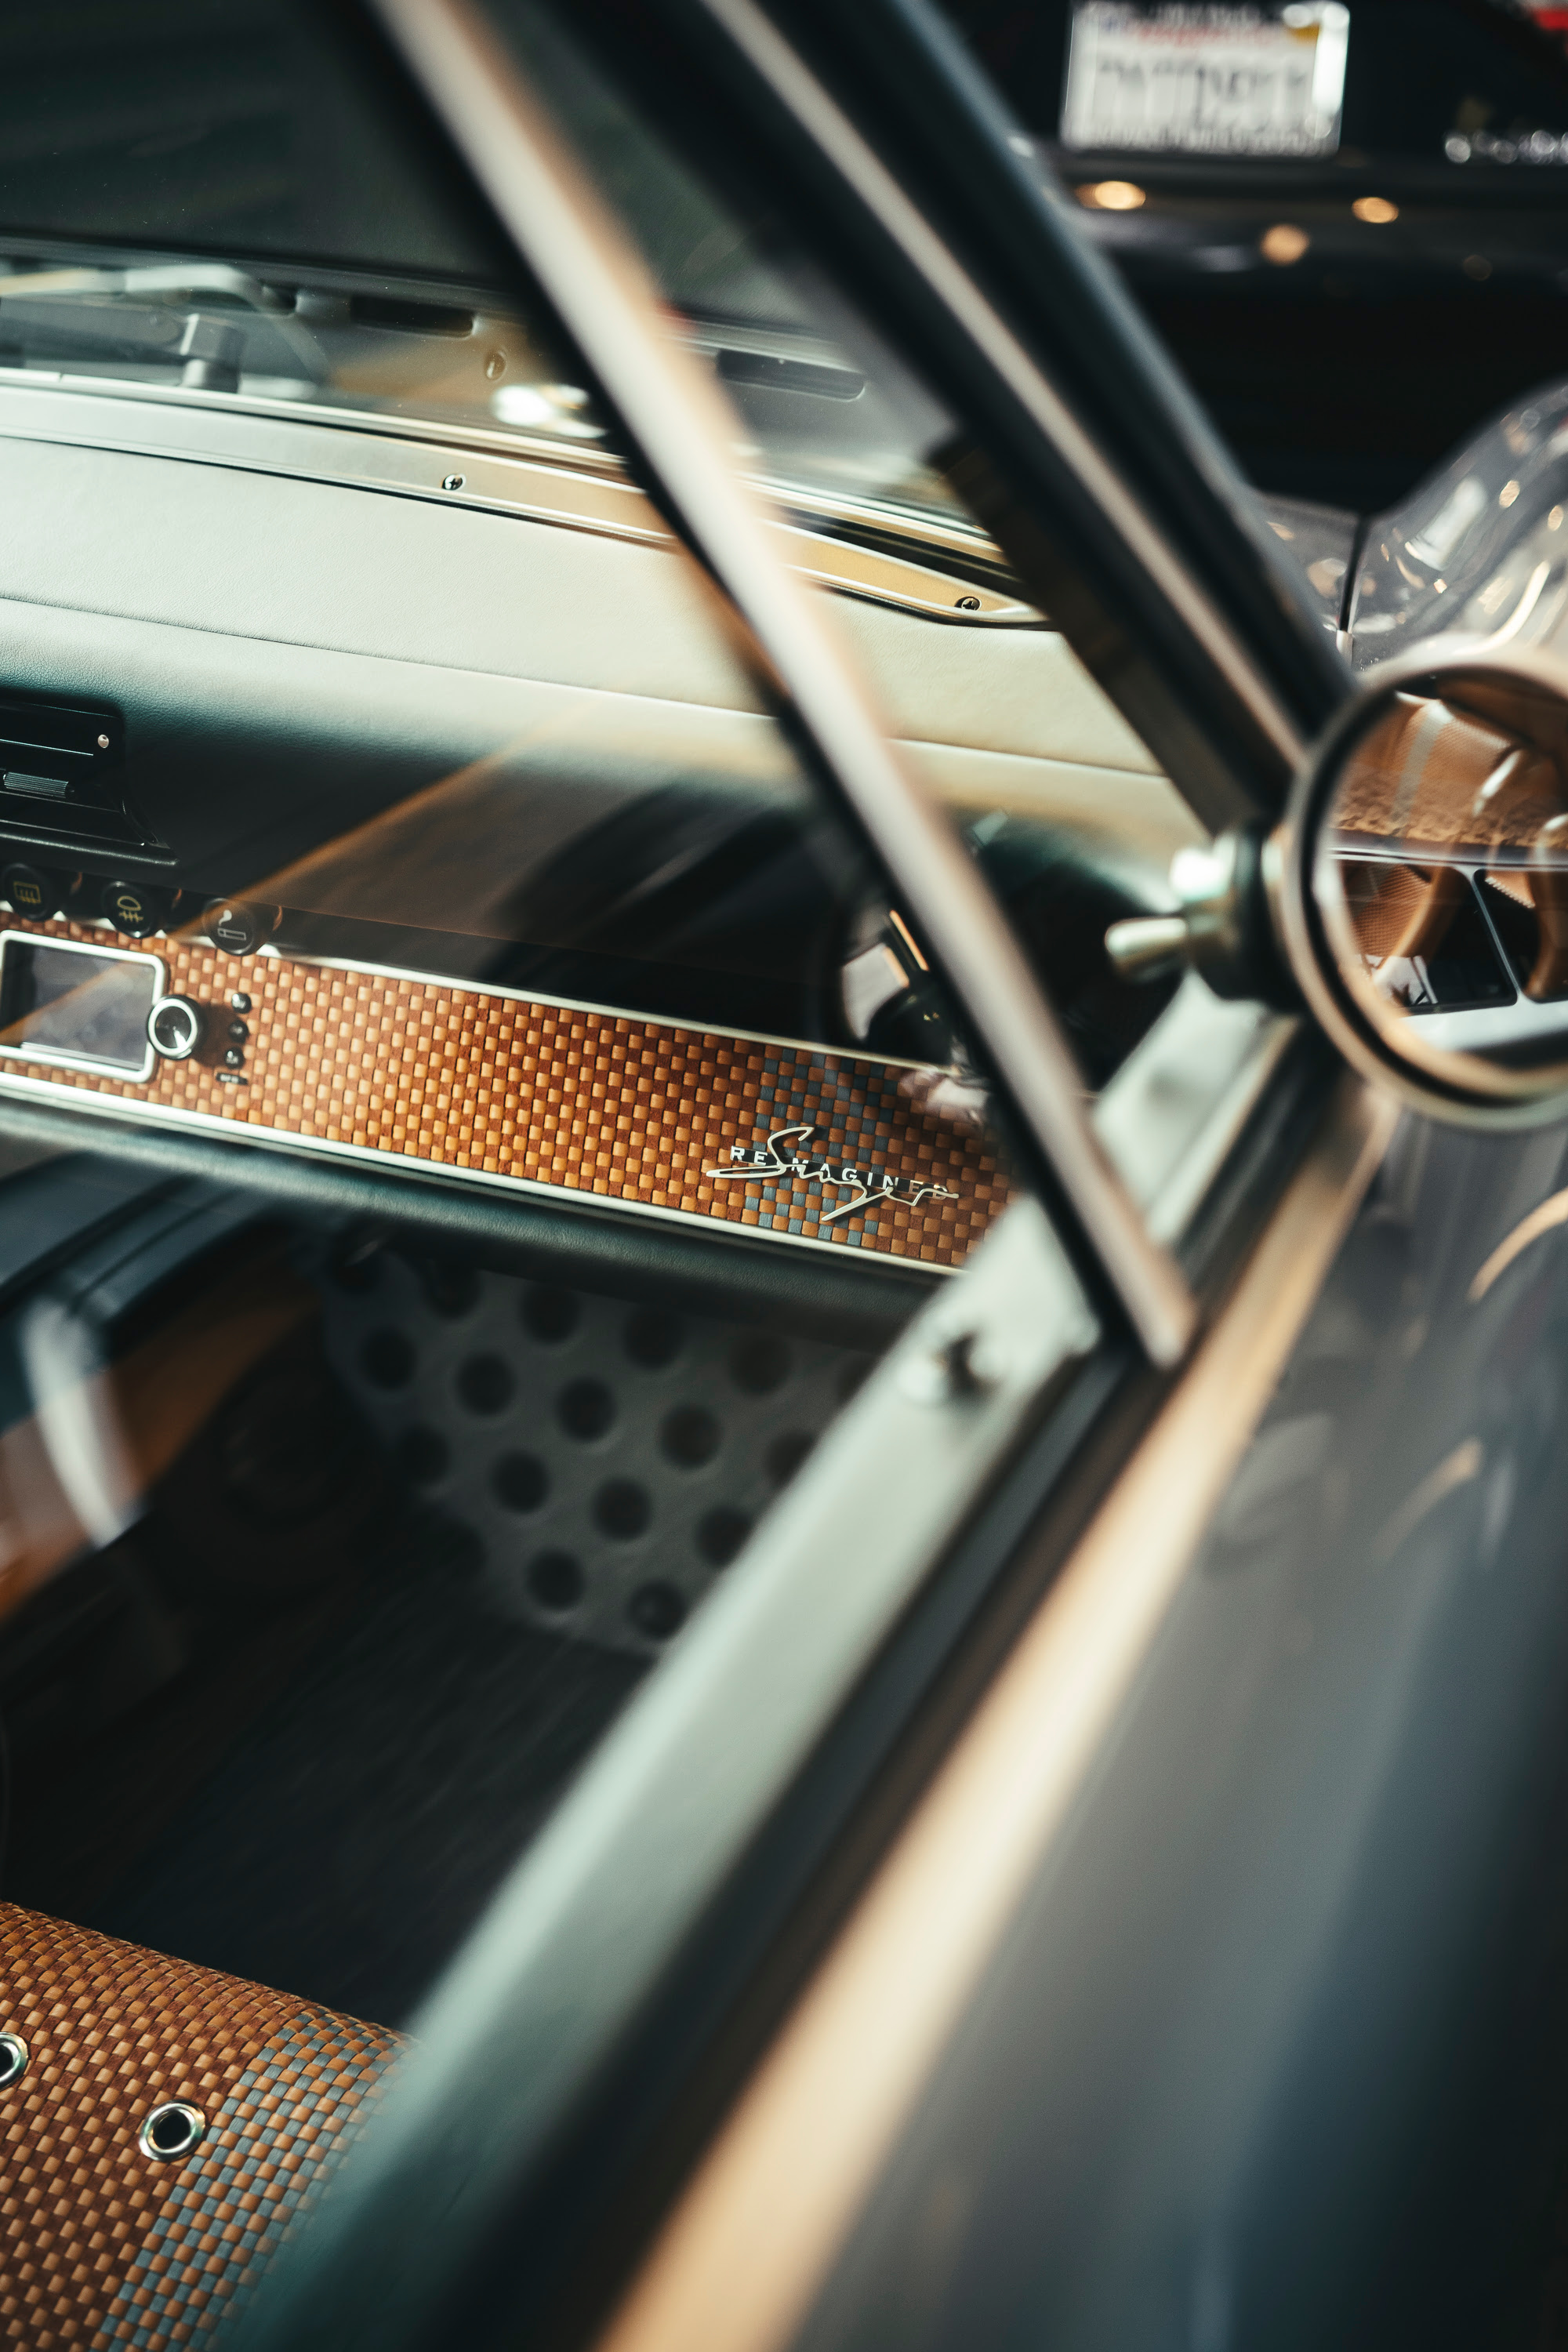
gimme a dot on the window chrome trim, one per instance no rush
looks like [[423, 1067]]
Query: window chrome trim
[[1170, 1114], [601, 292]]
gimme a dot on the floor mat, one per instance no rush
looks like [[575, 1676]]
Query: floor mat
[[347, 1844]]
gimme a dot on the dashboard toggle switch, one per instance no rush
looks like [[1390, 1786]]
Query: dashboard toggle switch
[[175, 1027]]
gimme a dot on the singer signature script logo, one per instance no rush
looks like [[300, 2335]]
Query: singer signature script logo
[[784, 1155]]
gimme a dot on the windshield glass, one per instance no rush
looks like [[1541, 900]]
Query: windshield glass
[[207, 203]]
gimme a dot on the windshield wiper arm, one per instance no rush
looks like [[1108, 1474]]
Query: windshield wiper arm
[[208, 350]]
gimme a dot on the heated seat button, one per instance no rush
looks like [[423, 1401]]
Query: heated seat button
[[174, 1027]]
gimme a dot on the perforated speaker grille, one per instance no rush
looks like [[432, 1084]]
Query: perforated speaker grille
[[606, 1461]]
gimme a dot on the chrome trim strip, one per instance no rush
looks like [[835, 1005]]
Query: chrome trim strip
[[1170, 1114], [739, 2263], [312, 446], [602, 293], [414, 1170]]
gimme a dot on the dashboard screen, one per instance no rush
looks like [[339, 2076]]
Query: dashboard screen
[[62, 1003]]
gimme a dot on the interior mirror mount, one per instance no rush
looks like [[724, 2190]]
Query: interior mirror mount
[[1416, 893]]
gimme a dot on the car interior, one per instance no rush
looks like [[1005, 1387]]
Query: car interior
[[473, 1113]]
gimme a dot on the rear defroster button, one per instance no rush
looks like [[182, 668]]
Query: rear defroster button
[[174, 1027]]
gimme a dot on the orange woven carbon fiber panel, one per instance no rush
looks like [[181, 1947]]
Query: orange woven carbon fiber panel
[[635, 1111], [93, 2250]]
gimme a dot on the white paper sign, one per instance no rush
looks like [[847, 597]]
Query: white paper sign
[[1195, 80]]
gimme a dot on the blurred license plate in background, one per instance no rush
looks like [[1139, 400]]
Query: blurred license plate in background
[[1195, 81]]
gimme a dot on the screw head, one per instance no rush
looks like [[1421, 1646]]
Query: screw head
[[103, 743], [969, 604], [452, 482], [957, 1366], [495, 366]]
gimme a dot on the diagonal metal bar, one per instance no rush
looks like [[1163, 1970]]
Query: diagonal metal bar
[[676, 415]]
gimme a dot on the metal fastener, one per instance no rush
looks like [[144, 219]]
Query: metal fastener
[[959, 1365], [13, 2059], [103, 743], [495, 366], [171, 2131], [969, 604], [452, 482]]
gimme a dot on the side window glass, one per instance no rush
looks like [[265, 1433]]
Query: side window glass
[[472, 1113], [1053, 792]]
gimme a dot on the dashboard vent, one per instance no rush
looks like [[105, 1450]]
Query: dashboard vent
[[62, 771], [412, 318]]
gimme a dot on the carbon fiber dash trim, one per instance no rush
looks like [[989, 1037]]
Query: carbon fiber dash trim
[[633, 1111]]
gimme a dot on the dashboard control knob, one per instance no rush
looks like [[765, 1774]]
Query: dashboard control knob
[[236, 926], [239, 1001], [234, 1059], [175, 1027], [36, 891], [135, 908]]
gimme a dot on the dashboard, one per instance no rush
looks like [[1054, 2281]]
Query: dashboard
[[353, 834]]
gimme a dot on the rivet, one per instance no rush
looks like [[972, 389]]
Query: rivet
[[958, 1366], [171, 2131]]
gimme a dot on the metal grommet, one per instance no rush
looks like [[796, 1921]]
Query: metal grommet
[[13, 2059], [171, 2131]]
